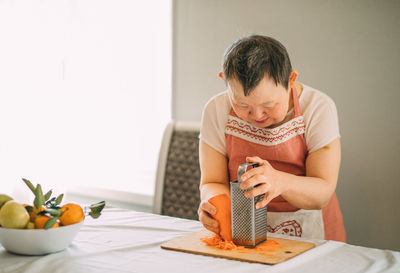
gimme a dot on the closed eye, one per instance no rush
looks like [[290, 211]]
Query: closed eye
[[268, 106], [243, 106]]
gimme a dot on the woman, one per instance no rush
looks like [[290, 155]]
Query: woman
[[291, 130]]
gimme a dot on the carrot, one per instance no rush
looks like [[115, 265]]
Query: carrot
[[211, 241], [223, 240], [266, 248], [267, 254], [270, 243], [217, 242], [223, 205]]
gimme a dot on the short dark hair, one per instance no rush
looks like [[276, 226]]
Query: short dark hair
[[251, 58]]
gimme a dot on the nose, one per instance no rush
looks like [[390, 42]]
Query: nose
[[257, 113]]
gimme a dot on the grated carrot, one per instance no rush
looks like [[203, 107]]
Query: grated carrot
[[217, 242], [267, 254], [267, 246]]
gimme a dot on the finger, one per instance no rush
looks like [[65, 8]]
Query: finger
[[251, 172], [208, 207], [267, 198], [211, 228], [261, 189], [261, 204], [254, 159], [253, 181], [207, 220], [257, 170]]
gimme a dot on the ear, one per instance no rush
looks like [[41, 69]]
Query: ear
[[221, 75], [293, 78]]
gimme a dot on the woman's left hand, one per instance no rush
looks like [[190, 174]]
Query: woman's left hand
[[266, 177]]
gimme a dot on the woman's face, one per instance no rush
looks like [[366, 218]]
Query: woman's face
[[266, 105]]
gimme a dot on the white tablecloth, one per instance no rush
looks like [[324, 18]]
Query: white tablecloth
[[129, 241]]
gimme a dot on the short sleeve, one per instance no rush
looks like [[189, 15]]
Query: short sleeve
[[213, 122], [321, 121]]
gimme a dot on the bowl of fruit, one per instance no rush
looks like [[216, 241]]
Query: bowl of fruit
[[44, 227]]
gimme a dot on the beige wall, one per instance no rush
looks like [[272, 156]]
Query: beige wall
[[348, 49]]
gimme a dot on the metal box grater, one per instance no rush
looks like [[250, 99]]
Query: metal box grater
[[249, 225]]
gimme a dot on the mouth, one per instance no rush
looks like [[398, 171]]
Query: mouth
[[261, 120]]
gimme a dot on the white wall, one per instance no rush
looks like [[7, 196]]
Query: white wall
[[348, 49], [85, 92]]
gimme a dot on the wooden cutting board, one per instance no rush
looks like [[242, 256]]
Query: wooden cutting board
[[191, 243]]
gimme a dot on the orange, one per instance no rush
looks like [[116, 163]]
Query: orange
[[41, 220], [73, 214], [33, 212]]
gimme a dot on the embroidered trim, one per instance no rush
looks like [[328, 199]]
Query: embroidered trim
[[291, 228], [264, 136]]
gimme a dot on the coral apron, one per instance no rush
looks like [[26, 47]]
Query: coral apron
[[284, 147]]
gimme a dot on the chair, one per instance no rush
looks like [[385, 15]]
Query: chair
[[178, 172]]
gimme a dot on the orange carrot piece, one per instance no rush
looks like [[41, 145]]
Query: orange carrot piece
[[269, 245], [266, 248], [223, 205], [272, 243], [217, 242], [267, 254], [213, 241]]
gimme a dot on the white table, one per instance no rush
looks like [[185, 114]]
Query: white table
[[129, 241]]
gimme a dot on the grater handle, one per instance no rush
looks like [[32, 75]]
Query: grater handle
[[242, 169]]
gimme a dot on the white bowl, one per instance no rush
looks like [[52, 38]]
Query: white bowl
[[38, 241]]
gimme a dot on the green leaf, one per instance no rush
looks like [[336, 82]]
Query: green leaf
[[98, 207], [59, 199], [47, 195], [39, 198], [53, 212], [94, 215], [95, 209], [29, 184], [50, 222], [29, 208], [51, 203]]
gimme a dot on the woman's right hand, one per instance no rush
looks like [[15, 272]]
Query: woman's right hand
[[205, 212], [214, 181]]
